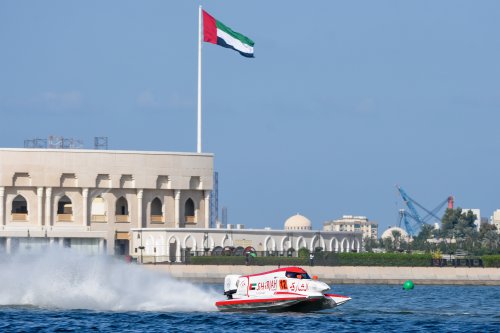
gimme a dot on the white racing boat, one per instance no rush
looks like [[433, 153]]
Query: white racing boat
[[283, 289]]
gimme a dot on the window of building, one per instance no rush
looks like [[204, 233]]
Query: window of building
[[156, 211], [64, 210], [189, 211]]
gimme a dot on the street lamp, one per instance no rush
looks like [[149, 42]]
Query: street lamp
[[141, 247]]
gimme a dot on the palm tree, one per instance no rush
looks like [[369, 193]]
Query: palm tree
[[396, 235]]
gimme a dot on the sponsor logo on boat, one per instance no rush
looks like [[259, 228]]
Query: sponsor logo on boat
[[299, 286], [283, 285], [269, 285]]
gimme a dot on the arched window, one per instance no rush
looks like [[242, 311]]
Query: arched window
[[189, 211], [121, 206], [19, 205], [19, 209], [98, 209], [121, 210], [156, 211], [64, 209]]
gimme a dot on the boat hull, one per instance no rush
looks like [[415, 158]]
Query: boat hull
[[295, 304]]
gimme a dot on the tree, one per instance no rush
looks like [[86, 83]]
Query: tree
[[396, 235], [420, 242], [370, 244], [490, 239], [388, 244], [304, 252], [460, 226]]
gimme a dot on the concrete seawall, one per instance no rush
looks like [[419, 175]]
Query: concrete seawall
[[346, 274]]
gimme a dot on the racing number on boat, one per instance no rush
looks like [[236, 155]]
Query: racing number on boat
[[283, 285]]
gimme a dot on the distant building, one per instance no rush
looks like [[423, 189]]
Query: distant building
[[353, 223], [495, 219], [477, 212]]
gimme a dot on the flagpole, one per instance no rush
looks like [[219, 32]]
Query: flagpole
[[198, 150]]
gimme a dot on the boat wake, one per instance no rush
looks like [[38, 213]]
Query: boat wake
[[63, 279]]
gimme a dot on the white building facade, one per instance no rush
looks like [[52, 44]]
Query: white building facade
[[170, 245], [90, 199]]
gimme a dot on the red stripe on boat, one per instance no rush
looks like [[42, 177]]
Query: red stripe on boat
[[287, 293]]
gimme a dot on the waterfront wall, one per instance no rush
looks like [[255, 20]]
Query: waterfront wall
[[346, 274]]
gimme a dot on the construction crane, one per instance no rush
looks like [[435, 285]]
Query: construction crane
[[412, 220]]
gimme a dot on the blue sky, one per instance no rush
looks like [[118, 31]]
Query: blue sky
[[344, 99]]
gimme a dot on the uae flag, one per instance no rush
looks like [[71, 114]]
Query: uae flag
[[216, 32]]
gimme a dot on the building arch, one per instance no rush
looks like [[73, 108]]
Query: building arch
[[64, 209], [156, 207], [317, 241], [226, 241], [269, 244], [189, 242], [98, 209], [173, 249], [189, 211], [156, 210], [121, 207], [19, 205], [64, 205], [301, 242], [332, 242], [208, 243], [355, 245], [344, 245], [286, 244]]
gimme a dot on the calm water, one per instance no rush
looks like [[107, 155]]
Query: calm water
[[60, 293]]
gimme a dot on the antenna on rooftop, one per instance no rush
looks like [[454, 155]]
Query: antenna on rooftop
[[54, 142], [101, 142]]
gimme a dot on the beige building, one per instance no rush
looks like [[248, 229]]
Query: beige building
[[352, 223], [90, 199], [495, 219]]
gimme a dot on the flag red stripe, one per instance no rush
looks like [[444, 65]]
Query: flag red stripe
[[209, 28]]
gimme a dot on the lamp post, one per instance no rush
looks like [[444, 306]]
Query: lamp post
[[28, 247], [141, 247]]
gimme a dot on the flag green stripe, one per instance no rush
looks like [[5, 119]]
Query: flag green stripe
[[237, 35]]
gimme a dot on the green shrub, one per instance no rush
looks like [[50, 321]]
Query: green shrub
[[325, 259], [491, 260], [240, 260], [303, 252], [383, 259]]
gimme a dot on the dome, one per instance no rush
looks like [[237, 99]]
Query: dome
[[388, 233], [298, 222]]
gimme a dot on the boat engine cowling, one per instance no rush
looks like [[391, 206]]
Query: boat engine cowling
[[230, 285]]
